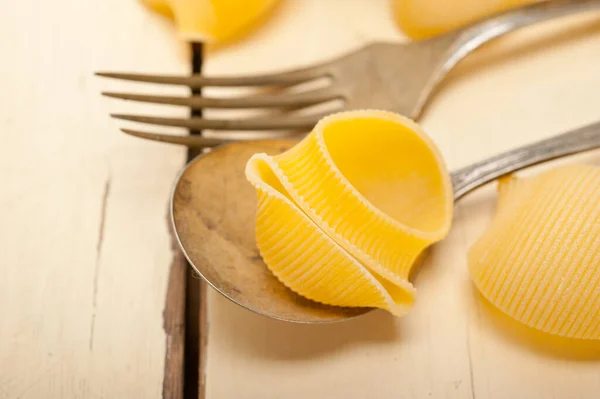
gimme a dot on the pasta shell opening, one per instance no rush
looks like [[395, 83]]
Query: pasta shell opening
[[305, 259]]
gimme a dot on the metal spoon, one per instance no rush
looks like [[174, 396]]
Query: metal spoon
[[213, 210]]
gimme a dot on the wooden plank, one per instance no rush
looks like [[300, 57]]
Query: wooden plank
[[85, 249], [174, 319], [521, 88]]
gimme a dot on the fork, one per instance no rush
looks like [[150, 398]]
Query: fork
[[391, 76]]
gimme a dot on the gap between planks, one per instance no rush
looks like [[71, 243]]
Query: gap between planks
[[185, 308]]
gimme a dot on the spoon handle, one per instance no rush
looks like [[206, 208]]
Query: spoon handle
[[471, 177]]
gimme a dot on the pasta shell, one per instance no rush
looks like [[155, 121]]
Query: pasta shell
[[364, 194], [539, 261]]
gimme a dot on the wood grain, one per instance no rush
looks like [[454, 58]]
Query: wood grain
[[85, 252], [511, 92]]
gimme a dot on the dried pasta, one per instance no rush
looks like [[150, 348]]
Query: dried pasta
[[343, 215], [539, 261]]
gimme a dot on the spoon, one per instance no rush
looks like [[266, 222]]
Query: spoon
[[213, 210]]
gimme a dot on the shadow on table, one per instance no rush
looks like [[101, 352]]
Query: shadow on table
[[534, 340], [264, 337]]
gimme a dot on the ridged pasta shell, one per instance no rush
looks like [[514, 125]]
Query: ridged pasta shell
[[539, 261], [350, 208]]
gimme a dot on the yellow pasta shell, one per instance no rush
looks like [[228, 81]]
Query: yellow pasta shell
[[539, 261], [213, 20], [365, 192]]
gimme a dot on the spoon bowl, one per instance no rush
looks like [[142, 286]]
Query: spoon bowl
[[213, 211]]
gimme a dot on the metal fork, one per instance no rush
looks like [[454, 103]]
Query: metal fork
[[391, 76]]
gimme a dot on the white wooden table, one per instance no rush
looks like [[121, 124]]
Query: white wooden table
[[87, 265]]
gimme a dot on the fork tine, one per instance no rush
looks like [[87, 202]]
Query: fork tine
[[258, 101], [197, 81], [273, 123], [190, 141]]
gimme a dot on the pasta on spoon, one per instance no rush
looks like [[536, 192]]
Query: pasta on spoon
[[344, 215]]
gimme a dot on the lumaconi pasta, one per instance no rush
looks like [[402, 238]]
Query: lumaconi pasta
[[539, 261], [344, 214]]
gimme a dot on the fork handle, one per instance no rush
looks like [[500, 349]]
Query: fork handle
[[471, 37], [573, 142]]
